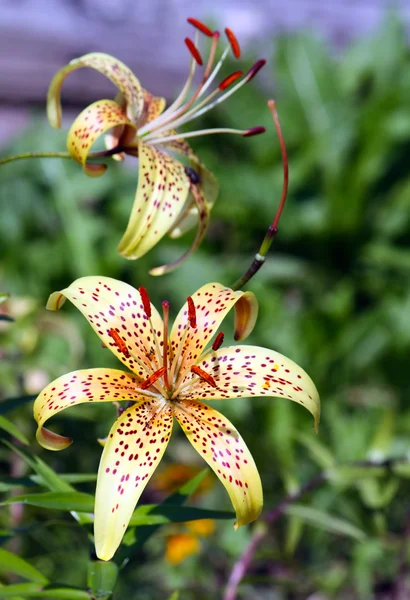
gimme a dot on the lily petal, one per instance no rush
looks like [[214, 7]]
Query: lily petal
[[154, 106], [111, 305], [244, 371], [87, 385], [107, 65], [90, 124], [131, 454], [212, 302], [163, 187], [219, 443], [203, 213], [209, 187]]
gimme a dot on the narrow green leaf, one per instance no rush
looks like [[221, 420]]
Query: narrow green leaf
[[76, 501], [61, 594], [12, 430], [19, 590], [324, 520], [101, 578], [151, 514], [174, 596], [15, 564]]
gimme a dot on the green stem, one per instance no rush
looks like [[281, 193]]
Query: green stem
[[272, 231], [102, 154]]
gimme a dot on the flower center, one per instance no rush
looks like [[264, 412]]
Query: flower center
[[167, 377]]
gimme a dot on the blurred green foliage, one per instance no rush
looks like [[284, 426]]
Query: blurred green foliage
[[334, 296]]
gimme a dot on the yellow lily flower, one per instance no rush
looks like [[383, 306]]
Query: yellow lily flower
[[171, 373], [170, 197]]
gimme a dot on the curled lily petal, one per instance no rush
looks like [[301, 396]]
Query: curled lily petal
[[163, 188], [244, 371], [219, 443], [131, 454], [114, 69], [116, 312], [203, 213], [212, 303], [154, 106], [90, 124], [87, 385]]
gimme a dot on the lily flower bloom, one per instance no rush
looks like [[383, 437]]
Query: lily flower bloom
[[172, 193], [171, 374]]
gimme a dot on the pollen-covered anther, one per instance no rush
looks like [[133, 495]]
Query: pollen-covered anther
[[229, 80], [218, 341], [255, 68], [253, 131], [232, 39], [119, 342], [199, 25], [204, 375], [191, 313], [152, 378], [194, 51], [145, 301]]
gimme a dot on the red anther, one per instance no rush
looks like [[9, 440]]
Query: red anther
[[204, 375], [152, 378], [119, 342], [236, 49], [253, 131], [194, 51], [191, 312], [145, 301], [229, 80], [200, 26], [218, 341], [255, 68]]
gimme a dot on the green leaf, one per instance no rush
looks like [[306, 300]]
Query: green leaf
[[12, 430], [3, 297], [18, 590], [101, 578], [147, 514], [17, 565], [324, 520], [76, 501]]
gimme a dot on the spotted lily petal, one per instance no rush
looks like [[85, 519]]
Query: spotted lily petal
[[163, 187], [90, 124], [131, 454], [244, 371], [208, 186], [212, 303], [113, 306], [114, 69], [203, 213], [88, 385], [220, 444], [154, 106]]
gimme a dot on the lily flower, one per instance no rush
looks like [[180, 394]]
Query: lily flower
[[171, 195], [171, 373]]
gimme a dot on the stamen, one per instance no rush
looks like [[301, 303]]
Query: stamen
[[119, 342], [194, 51], [165, 308], [255, 68], [200, 26], [145, 301], [152, 378], [236, 49], [191, 313], [170, 138], [218, 341], [204, 375], [254, 131], [229, 80]]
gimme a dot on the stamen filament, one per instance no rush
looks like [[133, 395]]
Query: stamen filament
[[170, 138], [165, 308]]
